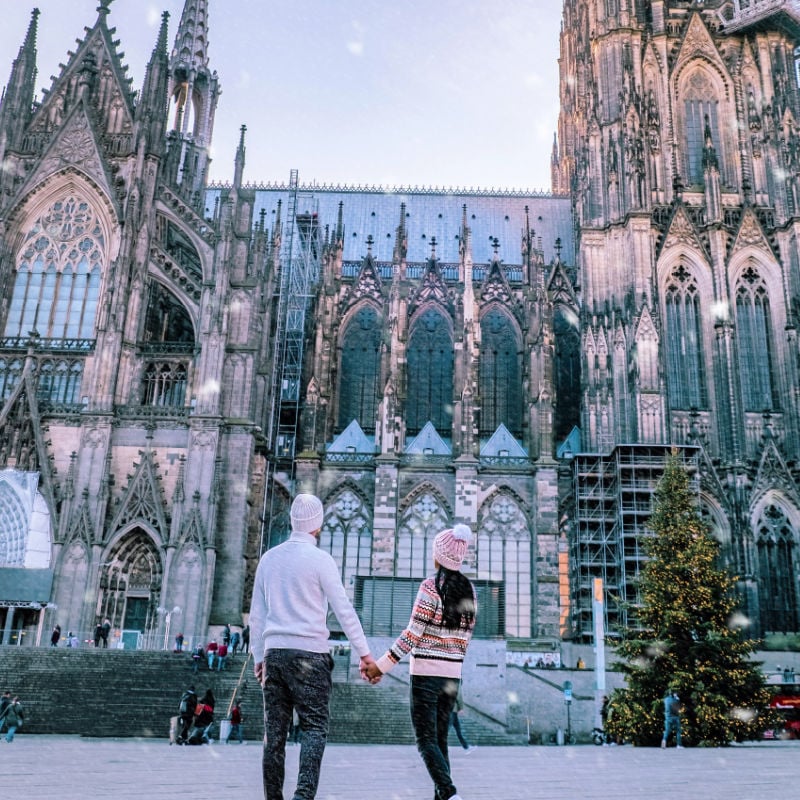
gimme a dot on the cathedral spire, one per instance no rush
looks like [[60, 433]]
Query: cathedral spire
[[194, 91], [465, 251], [17, 100], [238, 169], [400, 238], [153, 98]]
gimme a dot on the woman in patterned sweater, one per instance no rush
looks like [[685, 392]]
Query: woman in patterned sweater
[[437, 637]]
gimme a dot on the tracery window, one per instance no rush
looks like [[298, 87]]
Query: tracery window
[[359, 375], [500, 375], [13, 527], [503, 552], [430, 374], [420, 523], [754, 339], [777, 579], [685, 372], [164, 384], [166, 320], [701, 108], [10, 374], [347, 536], [60, 381], [59, 266]]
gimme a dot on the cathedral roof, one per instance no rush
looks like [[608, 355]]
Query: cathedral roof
[[373, 211]]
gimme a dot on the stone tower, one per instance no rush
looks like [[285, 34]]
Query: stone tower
[[678, 144]]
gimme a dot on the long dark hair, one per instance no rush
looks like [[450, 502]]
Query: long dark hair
[[458, 598]]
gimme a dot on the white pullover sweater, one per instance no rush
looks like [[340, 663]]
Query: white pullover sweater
[[294, 584]]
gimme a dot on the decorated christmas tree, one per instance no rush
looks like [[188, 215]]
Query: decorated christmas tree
[[688, 637]]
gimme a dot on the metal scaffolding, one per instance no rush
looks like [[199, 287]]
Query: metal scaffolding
[[299, 268], [613, 500]]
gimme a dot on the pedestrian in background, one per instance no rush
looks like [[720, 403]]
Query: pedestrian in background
[[186, 710], [198, 654], [246, 639], [437, 636], [236, 723], [294, 585], [55, 636], [672, 718], [13, 716], [106, 631], [98, 634], [235, 640]]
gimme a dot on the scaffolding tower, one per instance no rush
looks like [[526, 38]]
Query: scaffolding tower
[[299, 268], [613, 501]]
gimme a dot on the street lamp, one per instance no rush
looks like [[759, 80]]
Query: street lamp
[[167, 620]]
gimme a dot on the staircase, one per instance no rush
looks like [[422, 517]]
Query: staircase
[[134, 693]]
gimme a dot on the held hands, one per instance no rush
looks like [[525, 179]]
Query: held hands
[[258, 670], [369, 669]]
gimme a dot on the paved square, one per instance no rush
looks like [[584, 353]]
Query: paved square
[[70, 768]]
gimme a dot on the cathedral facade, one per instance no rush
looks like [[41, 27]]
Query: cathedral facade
[[178, 358]]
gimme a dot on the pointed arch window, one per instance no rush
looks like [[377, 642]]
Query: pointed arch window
[[347, 536], [500, 375], [10, 375], [701, 108], [359, 374], [165, 384], [59, 267], [777, 575], [754, 340], [60, 381], [685, 369], [567, 371], [430, 374], [420, 523], [504, 555]]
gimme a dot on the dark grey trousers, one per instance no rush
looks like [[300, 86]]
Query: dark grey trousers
[[302, 680]]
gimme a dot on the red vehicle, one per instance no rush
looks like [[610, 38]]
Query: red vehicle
[[786, 701]]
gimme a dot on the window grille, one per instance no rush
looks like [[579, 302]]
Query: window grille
[[500, 375], [359, 375]]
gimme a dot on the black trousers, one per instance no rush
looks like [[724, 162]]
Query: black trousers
[[302, 680]]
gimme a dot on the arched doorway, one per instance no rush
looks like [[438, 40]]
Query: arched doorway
[[130, 589]]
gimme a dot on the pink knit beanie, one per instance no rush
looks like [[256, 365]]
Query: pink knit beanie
[[450, 546], [307, 513]]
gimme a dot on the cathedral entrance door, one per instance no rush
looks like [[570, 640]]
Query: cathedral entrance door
[[136, 614]]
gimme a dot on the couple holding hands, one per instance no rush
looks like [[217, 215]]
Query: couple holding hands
[[294, 584]]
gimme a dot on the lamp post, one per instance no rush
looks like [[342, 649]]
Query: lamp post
[[167, 620]]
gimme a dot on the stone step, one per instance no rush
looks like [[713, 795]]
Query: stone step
[[134, 693]]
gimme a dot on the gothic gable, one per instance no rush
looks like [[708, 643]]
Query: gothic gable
[[432, 288], [81, 528], [645, 327], [143, 500], [73, 148], [559, 287], [22, 443], [750, 234], [98, 62], [698, 44], [193, 530], [495, 287], [774, 474], [367, 286], [682, 232]]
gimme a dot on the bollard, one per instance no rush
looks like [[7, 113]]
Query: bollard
[[560, 737]]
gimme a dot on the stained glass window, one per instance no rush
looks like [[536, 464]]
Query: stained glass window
[[359, 375], [500, 375], [777, 577]]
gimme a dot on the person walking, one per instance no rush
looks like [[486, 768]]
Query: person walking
[[55, 636], [98, 634], [211, 653], [203, 719], [198, 655], [246, 639], [437, 637], [106, 631], [455, 723], [295, 583], [222, 657], [13, 716], [235, 640], [186, 711], [672, 718], [236, 723]]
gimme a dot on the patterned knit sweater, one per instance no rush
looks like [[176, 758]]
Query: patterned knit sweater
[[434, 650]]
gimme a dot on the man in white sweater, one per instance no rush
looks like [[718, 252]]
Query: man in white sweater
[[294, 584]]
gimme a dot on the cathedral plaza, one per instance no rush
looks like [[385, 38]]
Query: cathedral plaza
[[129, 769]]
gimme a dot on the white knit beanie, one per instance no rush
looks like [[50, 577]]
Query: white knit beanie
[[450, 546], [307, 513]]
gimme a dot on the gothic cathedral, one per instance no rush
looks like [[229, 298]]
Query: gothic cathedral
[[179, 358]]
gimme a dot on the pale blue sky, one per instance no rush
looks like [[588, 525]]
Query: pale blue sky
[[411, 92]]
